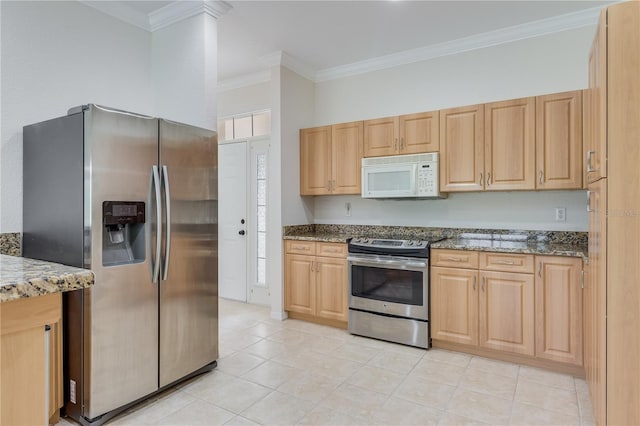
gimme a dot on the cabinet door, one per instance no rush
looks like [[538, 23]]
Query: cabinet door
[[419, 133], [596, 155], [559, 309], [299, 283], [331, 288], [559, 141], [462, 149], [315, 161], [346, 152], [506, 312], [454, 305], [597, 283], [381, 137], [587, 125], [509, 156]]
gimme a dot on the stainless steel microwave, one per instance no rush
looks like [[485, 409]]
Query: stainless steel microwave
[[401, 176]]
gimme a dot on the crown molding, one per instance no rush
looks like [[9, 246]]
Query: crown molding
[[163, 17], [120, 11], [244, 81], [478, 41], [179, 10], [281, 58]]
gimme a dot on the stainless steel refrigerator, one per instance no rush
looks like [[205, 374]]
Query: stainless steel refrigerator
[[134, 199]]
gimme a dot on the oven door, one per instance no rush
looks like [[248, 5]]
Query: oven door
[[389, 285]]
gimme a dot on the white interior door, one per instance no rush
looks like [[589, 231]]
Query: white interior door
[[232, 219]]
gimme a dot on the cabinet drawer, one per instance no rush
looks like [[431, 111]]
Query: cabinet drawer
[[455, 258], [300, 247], [331, 249], [506, 262]]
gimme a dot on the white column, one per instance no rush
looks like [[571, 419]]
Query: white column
[[184, 70]]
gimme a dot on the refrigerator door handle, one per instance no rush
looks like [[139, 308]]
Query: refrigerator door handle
[[155, 269], [167, 203]]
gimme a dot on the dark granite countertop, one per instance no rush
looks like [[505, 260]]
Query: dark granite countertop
[[502, 246], [552, 243], [22, 278]]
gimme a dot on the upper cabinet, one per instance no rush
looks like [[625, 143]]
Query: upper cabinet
[[406, 134], [533, 143], [330, 159], [559, 141], [595, 156], [462, 149], [509, 144]]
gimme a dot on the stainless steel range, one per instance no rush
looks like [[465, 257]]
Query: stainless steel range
[[389, 290]]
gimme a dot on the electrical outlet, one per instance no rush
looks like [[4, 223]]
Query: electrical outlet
[[347, 209], [561, 214]]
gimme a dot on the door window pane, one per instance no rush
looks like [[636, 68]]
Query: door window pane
[[262, 123], [242, 127]]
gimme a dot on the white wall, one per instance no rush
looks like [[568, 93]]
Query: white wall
[[56, 55], [184, 71], [296, 112], [492, 210], [244, 99], [547, 64]]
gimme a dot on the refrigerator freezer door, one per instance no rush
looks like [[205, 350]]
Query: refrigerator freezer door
[[121, 310], [189, 294]]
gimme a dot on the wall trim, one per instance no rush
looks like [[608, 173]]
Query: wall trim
[[163, 17], [527, 30], [244, 81]]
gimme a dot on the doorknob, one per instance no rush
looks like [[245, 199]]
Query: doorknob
[[241, 232]]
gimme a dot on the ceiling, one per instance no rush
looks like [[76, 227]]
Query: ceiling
[[325, 35]]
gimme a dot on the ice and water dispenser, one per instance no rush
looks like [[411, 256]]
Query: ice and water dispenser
[[123, 235]]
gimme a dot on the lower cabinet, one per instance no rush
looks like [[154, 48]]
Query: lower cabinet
[[316, 282], [23, 355], [495, 302]]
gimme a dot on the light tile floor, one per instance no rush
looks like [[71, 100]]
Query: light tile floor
[[293, 372]]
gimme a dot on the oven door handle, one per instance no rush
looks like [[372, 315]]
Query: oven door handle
[[386, 262]]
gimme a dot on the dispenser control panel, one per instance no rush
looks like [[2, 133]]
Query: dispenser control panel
[[122, 212]]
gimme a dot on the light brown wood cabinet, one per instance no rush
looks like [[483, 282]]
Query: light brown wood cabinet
[[316, 282], [559, 141], [509, 144], [454, 305], [405, 134], [492, 301], [559, 309], [493, 309], [462, 149], [518, 144], [22, 360], [330, 159], [612, 294], [507, 312]]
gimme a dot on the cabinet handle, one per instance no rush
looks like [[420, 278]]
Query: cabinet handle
[[540, 269], [506, 262], [474, 283], [540, 178], [329, 186], [589, 209], [300, 247], [488, 179], [312, 262], [395, 144], [454, 259], [483, 280], [582, 278], [401, 143], [333, 185], [480, 181], [589, 154]]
